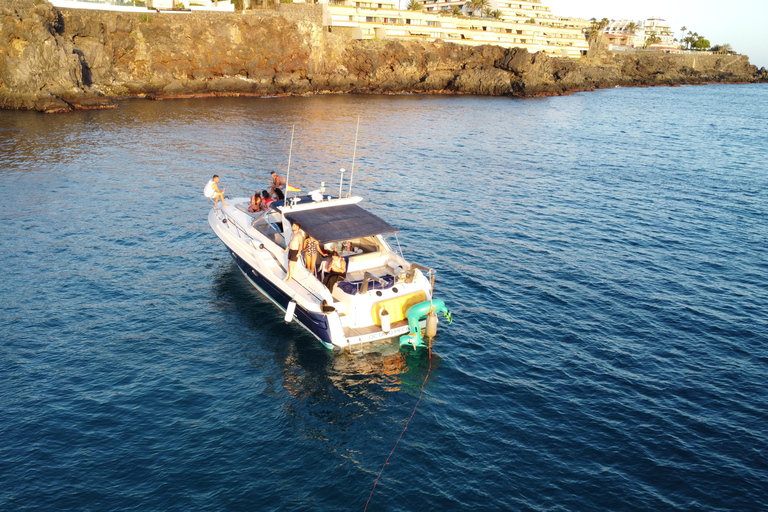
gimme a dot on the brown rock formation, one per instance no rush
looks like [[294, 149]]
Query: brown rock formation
[[54, 60]]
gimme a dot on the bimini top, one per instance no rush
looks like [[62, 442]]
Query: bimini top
[[339, 223]]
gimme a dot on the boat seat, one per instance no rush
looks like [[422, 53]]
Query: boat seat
[[328, 261], [244, 209], [354, 287]]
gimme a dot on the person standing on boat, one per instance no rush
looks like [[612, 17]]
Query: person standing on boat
[[277, 182], [213, 192], [293, 248], [337, 271], [311, 248]]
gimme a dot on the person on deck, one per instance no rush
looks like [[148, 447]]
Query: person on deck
[[278, 182], [293, 248], [336, 272], [213, 192], [266, 199], [311, 248], [257, 205]]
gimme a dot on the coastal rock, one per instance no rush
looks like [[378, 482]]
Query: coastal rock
[[55, 60]]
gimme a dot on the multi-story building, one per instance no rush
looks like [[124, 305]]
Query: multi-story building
[[625, 34], [524, 24]]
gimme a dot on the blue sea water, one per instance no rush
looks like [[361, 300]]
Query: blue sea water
[[604, 255]]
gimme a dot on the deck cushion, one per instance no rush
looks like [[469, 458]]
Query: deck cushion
[[397, 307]]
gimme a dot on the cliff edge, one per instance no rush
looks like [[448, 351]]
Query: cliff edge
[[59, 59]]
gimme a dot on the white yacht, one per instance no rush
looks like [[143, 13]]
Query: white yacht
[[382, 295]]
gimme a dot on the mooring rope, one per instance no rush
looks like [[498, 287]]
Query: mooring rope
[[404, 429]]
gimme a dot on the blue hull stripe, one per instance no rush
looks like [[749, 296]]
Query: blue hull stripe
[[316, 323]]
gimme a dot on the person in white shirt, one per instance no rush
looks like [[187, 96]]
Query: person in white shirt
[[213, 192]]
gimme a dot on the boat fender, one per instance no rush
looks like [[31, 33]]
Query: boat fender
[[431, 325], [384, 315], [289, 311], [326, 308]]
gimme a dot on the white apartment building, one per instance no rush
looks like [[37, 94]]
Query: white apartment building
[[625, 34], [523, 24]]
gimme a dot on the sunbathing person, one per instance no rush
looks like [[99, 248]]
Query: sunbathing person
[[266, 199], [257, 204]]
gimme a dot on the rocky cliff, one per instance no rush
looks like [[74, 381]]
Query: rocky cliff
[[57, 60]]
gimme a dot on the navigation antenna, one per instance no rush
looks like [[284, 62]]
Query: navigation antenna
[[341, 181], [288, 173], [354, 151]]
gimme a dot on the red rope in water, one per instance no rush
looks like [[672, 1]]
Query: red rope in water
[[406, 427]]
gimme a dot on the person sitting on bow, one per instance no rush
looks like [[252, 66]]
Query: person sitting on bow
[[212, 191], [257, 204], [266, 199]]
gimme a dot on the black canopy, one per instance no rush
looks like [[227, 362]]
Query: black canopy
[[338, 223]]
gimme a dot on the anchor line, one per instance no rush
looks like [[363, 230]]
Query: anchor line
[[386, 462]]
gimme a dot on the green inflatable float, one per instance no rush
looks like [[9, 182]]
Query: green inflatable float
[[415, 314]]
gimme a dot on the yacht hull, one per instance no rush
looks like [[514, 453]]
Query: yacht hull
[[315, 323]]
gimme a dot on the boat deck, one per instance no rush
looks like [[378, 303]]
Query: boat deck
[[352, 332]]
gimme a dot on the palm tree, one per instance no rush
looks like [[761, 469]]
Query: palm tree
[[476, 6], [414, 5], [631, 28], [480, 5], [456, 10], [651, 40], [689, 40]]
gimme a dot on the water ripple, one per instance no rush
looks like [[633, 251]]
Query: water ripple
[[609, 348]]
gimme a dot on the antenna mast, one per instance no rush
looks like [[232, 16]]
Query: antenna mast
[[354, 151], [288, 174]]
